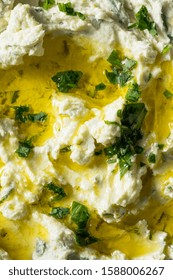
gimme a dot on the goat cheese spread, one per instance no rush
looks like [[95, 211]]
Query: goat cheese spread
[[86, 129]]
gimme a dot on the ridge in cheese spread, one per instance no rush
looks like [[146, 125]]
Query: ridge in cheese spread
[[86, 130]]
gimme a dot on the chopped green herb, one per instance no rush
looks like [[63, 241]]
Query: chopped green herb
[[80, 214], [133, 115], [41, 117], [47, 4], [69, 10], [160, 146], [119, 113], [129, 64], [112, 160], [67, 80], [59, 191], [124, 77], [149, 76], [139, 150], [112, 77], [83, 238], [65, 149], [143, 21], [152, 158], [59, 212], [121, 69], [20, 113], [15, 96], [24, 148], [133, 93], [115, 60], [111, 122], [100, 86], [166, 49], [168, 94], [126, 145]]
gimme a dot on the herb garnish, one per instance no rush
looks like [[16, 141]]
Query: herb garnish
[[59, 191], [24, 148], [67, 80], [20, 113], [133, 93], [41, 117], [168, 94], [80, 217], [143, 21], [15, 96], [47, 4], [100, 86], [126, 145], [166, 49], [69, 10], [152, 158], [59, 212], [121, 69]]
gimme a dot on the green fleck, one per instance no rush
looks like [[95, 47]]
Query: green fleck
[[160, 146], [100, 86], [168, 94], [166, 49], [125, 164], [126, 146], [40, 117], [143, 21], [20, 113], [152, 158], [119, 113], [115, 60], [59, 212], [121, 69], [67, 80], [47, 4], [133, 115], [15, 96], [112, 160], [24, 148], [65, 149], [111, 122], [83, 238], [79, 214], [133, 93], [112, 77], [129, 64], [124, 77], [59, 191], [68, 9], [138, 149]]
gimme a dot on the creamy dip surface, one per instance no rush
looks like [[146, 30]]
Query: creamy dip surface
[[86, 129]]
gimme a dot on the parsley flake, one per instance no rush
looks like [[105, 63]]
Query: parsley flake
[[152, 158], [59, 212], [69, 10], [100, 86], [168, 94], [59, 191], [47, 4], [20, 113], [143, 21], [67, 80], [121, 69], [133, 93], [41, 117], [24, 148]]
